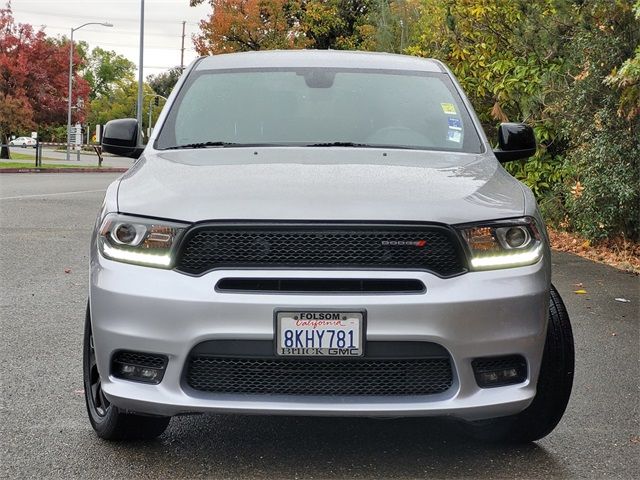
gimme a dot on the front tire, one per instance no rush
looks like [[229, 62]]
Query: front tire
[[553, 389], [108, 421]]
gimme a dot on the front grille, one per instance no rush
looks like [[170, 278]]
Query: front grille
[[430, 248], [319, 377]]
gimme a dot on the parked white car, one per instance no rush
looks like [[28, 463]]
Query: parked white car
[[23, 142]]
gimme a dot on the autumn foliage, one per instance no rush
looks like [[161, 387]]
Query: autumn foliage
[[242, 25], [33, 78], [239, 25]]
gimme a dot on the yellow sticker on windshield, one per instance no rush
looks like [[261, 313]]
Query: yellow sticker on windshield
[[448, 108]]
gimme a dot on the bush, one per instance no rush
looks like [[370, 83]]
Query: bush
[[601, 192]]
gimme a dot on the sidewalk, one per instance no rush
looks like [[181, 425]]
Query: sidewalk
[[54, 157]]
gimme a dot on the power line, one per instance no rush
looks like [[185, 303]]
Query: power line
[[84, 17]]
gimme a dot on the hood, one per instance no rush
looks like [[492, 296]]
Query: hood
[[319, 184]]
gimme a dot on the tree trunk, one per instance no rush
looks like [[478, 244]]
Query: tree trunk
[[4, 150]]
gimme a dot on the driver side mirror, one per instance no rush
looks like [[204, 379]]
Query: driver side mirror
[[120, 138], [516, 141]]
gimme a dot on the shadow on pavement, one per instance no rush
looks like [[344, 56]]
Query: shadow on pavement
[[306, 447]]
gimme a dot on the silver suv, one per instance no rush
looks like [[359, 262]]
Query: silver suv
[[323, 233]]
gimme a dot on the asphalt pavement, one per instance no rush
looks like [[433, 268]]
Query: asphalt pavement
[[45, 224]]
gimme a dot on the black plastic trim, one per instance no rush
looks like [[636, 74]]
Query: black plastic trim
[[387, 350], [320, 286], [489, 364]]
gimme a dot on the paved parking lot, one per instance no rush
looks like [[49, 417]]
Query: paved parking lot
[[45, 223]]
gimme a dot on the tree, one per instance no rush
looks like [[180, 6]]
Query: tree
[[627, 79], [122, 103], [163, 83], [599, 120], [103, 69], [395, 24], [569, 69], [242, 25], [33, 86], [339, 24]]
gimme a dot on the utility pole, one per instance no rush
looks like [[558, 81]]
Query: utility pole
[[140, 73], [182, 49]]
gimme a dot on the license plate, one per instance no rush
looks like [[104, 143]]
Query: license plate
[[324, 334]]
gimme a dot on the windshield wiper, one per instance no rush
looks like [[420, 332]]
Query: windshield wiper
[[339, 144], [355, 145], [205, 145]]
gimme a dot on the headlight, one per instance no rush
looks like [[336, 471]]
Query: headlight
[[503, 244], [139, 240]]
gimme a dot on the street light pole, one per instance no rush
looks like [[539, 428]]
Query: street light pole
[[140, 73], [70, 93], [69, 97]]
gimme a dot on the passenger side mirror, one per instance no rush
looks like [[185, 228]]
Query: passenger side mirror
[[516, 141], [120, 137]]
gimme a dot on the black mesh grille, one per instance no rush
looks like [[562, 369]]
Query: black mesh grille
[[140, 359], [424, 248], [319, 377]]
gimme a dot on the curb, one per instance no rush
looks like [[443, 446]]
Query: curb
[[63, 170]]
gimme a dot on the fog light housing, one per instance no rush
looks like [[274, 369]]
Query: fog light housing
[[499, 371], [139, 366]]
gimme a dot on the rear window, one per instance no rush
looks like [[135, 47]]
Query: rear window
[[318, 106]]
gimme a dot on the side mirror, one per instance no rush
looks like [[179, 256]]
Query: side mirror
[[120, 137], [516, 140]]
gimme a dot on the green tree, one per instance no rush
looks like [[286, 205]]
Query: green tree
[[599, 119], [122, 103], [396, 24], [627, 79], [164, 82], [104, 69], [339, 24]]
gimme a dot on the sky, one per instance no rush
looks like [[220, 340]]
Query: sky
[[163, 26]]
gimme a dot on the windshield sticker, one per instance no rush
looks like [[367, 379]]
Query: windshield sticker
[[449, 108], [455, 123], [454, 136]]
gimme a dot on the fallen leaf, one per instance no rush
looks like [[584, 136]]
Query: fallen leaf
[[67, 270], [580, 292], [623, 300], [577, 190]]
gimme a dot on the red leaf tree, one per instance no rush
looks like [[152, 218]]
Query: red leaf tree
[[33, 79]]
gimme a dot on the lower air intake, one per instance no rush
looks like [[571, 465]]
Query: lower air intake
[[319, 377]]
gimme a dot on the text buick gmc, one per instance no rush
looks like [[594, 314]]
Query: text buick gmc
[[323, 233]]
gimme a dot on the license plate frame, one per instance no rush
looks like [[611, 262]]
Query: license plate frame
[[359, 314]]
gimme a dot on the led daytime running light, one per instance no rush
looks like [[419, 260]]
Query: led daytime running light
[[508, 259], [136, 257]]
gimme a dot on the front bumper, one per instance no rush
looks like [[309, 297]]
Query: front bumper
[[473, 315]]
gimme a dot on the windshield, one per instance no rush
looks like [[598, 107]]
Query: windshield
[[319, 107]]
